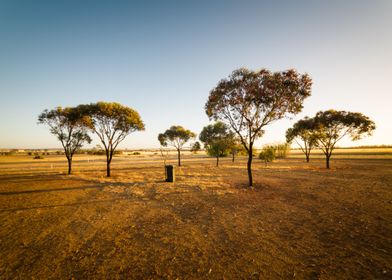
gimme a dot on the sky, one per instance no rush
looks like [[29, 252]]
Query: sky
[[162, 58]]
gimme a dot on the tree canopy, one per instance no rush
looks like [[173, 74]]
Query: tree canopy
[[331, 126], [111, 122], [196, 147], [303, 131], [67, 125], [176, 136], [249, 100], [218, 139]]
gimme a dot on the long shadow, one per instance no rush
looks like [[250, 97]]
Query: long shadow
[[51, 190], [101, 186], [32, 176], [60, 205]]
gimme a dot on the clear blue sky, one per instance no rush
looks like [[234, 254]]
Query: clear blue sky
[[163, 57]]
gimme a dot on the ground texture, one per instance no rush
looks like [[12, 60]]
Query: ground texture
[[299, 221]]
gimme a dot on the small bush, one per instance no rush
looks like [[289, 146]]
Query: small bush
[[38, 157], [267, 154], [135, 153], [281, 150]]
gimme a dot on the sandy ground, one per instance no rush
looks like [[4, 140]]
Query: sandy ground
[[300, 221]]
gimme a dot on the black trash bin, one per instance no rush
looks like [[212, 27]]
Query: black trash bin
[[169, 171]]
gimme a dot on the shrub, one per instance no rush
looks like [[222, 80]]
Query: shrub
[[135, 153], [38, 157], [267, 154], [281, 150]]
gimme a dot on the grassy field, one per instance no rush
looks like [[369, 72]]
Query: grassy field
[[300, 221]]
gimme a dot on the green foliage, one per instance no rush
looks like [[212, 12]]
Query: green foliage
[[334, 125], [331, 126], [250, 100], [282, 150], [218, 149], [218, 139], [303, 133], [327, 128], [271, 152], [176, 136], [303, 129], [268, 154], [68, 126], [196, 147], [111, 122]]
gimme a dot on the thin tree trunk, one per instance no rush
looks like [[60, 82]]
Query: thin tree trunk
[[69, 165], [179, 157], [217, 161], [250, 157], [327, 160], [108, 168], [307, 158], [233, 157]]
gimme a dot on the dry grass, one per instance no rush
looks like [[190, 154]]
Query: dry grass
[[300, 221]]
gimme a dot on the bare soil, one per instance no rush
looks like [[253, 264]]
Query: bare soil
[[300, 221]]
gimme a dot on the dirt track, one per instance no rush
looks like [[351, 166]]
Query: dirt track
[[300, 221]]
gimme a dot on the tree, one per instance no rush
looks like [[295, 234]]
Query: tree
[[250, 100], [331, 126], [67, 125], [218, 139], [196, 147], [236, 148], [111, 122], [303, 130], [176, 136]]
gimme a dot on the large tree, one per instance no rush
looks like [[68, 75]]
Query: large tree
[[303, 134], [67, 125], [250, 100], [218, 139], [331, 126], [176, 136], [111, 122]]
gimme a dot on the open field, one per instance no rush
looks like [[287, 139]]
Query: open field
[[348, 153], [300, 221]]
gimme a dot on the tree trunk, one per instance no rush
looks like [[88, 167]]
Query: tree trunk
[[217, 161], [250, 157], [179, 157], [233, 158], [307, 158], [108, 168], [327, 160], [69, 165]]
